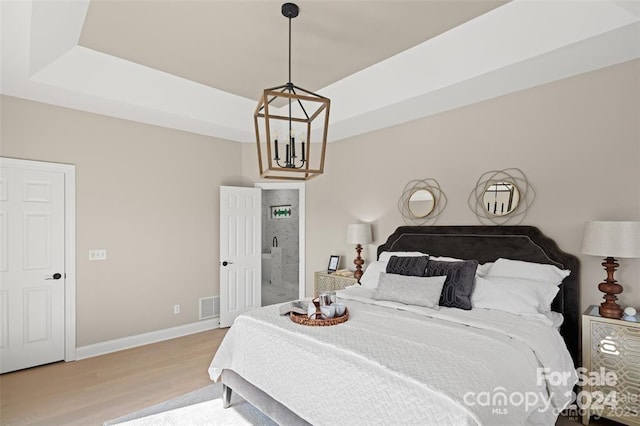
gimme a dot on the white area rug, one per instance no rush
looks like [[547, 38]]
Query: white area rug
[[204, 407], [201, 407]]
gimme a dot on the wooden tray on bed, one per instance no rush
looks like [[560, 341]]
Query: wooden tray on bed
[[304, 320]]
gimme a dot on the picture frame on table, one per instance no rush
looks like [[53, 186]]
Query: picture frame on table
[[334, 262]]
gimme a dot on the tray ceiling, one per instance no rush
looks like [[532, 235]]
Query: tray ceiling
[[200, 66]]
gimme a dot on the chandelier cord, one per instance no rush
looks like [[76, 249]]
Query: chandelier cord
[[290, 86], [289, 48]]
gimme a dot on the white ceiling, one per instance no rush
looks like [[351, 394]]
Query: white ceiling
[[200, 66]]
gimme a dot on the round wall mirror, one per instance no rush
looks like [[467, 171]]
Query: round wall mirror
[[421, 203], [500, 198]]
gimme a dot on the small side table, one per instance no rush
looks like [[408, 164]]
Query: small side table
[[611, 346], [331, 282]]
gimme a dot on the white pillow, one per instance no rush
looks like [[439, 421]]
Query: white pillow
[[518, 296], [528, 270], [410, 290], [371, 274], [445, 259], [556, 318], [386, 255], [483, 270], [547, 293]]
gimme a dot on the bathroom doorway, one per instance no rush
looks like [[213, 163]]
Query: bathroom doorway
[[283, 233]]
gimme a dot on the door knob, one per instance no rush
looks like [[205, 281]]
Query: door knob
[[225, 263], [55, 276]]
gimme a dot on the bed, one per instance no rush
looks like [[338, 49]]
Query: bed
[[398, 363]]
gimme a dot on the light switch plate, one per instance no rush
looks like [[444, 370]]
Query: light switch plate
[[98, 254]]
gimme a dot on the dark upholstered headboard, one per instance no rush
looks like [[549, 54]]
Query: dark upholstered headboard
[[487, 244]]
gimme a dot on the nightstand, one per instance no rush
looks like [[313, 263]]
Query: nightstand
[[331, 282], [610, 346]]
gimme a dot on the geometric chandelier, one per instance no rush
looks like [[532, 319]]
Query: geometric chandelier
[[286, 119]]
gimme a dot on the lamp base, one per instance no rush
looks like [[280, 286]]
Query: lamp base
[[609, 308], [358, 261], [614, 312]]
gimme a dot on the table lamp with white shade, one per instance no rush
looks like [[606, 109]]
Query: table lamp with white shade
[[611, 239], [358, 233]]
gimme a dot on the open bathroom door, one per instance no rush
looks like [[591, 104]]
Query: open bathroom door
[[240, 251]]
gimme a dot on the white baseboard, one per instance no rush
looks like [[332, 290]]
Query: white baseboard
[[129, 342]]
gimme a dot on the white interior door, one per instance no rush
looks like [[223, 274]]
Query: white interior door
[[240, 251], [32, 267]]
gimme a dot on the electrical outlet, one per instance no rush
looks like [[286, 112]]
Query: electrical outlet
[[176, 309], [98, 254]]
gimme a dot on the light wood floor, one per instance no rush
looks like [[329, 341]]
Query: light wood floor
[[94, 390]]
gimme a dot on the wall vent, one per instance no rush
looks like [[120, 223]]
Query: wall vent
[[209, 307]]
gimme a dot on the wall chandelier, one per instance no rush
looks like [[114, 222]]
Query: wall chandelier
[[286, 119]]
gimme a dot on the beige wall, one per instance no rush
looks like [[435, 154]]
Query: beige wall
[[149, 196], [577, 140]]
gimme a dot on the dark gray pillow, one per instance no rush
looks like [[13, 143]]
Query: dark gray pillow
[[408, 265], [458, 286]]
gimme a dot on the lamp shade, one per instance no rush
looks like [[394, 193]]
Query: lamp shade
[[614, 239], [359, 233]]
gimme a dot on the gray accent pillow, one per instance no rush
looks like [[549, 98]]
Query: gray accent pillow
[[408, 265], [457, 289], [410, 290]]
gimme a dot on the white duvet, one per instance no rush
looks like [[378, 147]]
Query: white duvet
[[403, 365]]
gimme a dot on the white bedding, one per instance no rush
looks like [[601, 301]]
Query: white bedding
[[400, 364]]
